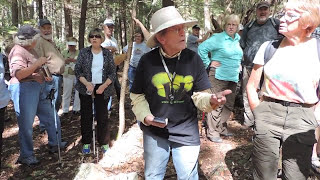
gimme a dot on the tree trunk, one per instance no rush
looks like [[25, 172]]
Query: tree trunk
[[24, 10], [40, 8], [82, 22], [166, 3], [125, 74], [123, 24], [15, 13], [57, 17], [31, 9], [67, 18], [206, 16]]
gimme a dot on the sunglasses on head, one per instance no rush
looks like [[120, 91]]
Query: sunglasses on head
[[95, 36]]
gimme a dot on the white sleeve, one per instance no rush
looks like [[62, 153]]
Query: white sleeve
[[125, 49], [115, 43], [259, 58]]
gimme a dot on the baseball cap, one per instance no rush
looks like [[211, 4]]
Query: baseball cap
[[263, 4], [26, 32], [108, 22], [43, 22], [71, 41], [195, 27]]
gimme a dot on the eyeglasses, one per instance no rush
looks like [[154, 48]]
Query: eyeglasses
[[291, 16], [177, 30], [95, 36]]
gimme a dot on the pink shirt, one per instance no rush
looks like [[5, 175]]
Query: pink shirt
[[21, 58]]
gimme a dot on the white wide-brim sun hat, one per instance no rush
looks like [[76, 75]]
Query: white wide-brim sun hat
[[165, 18]]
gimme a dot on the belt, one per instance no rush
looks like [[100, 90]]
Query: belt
[[57, 75], [287, 103]]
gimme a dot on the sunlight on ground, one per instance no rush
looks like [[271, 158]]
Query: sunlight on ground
[[9, 132]]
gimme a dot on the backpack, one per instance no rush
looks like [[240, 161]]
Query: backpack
[[273, 22], [274, 45], [272, 48]]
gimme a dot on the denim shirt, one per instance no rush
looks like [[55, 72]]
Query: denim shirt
[[4, 93]]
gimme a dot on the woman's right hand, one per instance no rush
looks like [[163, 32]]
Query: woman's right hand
[[215, 64], [89, 87]]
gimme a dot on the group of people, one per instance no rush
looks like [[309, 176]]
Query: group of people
[[169, 82], [38, 69], [281, 92]]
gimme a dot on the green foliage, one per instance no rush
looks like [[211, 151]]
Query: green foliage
[[120, 11]]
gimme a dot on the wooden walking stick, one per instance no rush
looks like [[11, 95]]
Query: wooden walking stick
[[125, 74]]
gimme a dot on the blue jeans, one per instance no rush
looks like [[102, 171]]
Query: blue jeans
[[57, 80], [30, 99], [131, 75], [56, 84], [156, 156]]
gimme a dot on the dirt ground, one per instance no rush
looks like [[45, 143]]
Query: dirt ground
[[223, 161]]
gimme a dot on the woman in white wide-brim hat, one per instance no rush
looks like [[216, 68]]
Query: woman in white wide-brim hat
[[169, 85]]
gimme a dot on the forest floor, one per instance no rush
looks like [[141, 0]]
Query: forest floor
[[217, 161]]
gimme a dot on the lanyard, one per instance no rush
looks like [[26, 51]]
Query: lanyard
[[171, 77]]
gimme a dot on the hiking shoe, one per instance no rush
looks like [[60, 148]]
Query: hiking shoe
[[54, 149], [104, 148], [86, 149], [215, 139], [29, 161], [228, 134]]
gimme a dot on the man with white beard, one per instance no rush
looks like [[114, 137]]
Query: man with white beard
[[47, 48]]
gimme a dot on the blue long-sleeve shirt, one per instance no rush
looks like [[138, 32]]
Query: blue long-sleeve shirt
[[225, 50]]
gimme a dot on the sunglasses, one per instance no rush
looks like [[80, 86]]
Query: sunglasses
[[95, 36]]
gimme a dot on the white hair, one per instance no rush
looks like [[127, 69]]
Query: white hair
[[25, 42]]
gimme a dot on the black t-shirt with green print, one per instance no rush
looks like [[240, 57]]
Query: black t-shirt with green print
[[152, 80]]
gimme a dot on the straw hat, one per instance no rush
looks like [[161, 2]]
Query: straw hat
[[165, 18]]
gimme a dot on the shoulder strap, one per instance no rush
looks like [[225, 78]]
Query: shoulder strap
[[318, 48], [273, 22], [251, 24], [271, 49]]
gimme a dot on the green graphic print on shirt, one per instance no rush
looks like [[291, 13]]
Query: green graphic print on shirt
[[181, 85]]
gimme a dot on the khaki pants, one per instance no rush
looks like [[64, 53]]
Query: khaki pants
[[217, 119], [291, 128]]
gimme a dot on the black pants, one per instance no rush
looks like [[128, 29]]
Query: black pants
[[101, 114], [117, 87], [1, 130]]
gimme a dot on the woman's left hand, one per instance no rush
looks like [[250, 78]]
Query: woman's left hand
[[100, 89]]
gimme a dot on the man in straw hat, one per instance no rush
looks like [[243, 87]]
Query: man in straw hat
[[170, 83]]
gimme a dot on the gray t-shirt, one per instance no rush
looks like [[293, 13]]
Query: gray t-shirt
[[192, 43], [253, 37], [137, 51]]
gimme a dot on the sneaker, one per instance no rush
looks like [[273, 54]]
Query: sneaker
[[104, 148], [86, 149], [54, 149], [29, 161], [215, 139], [228, 134]]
